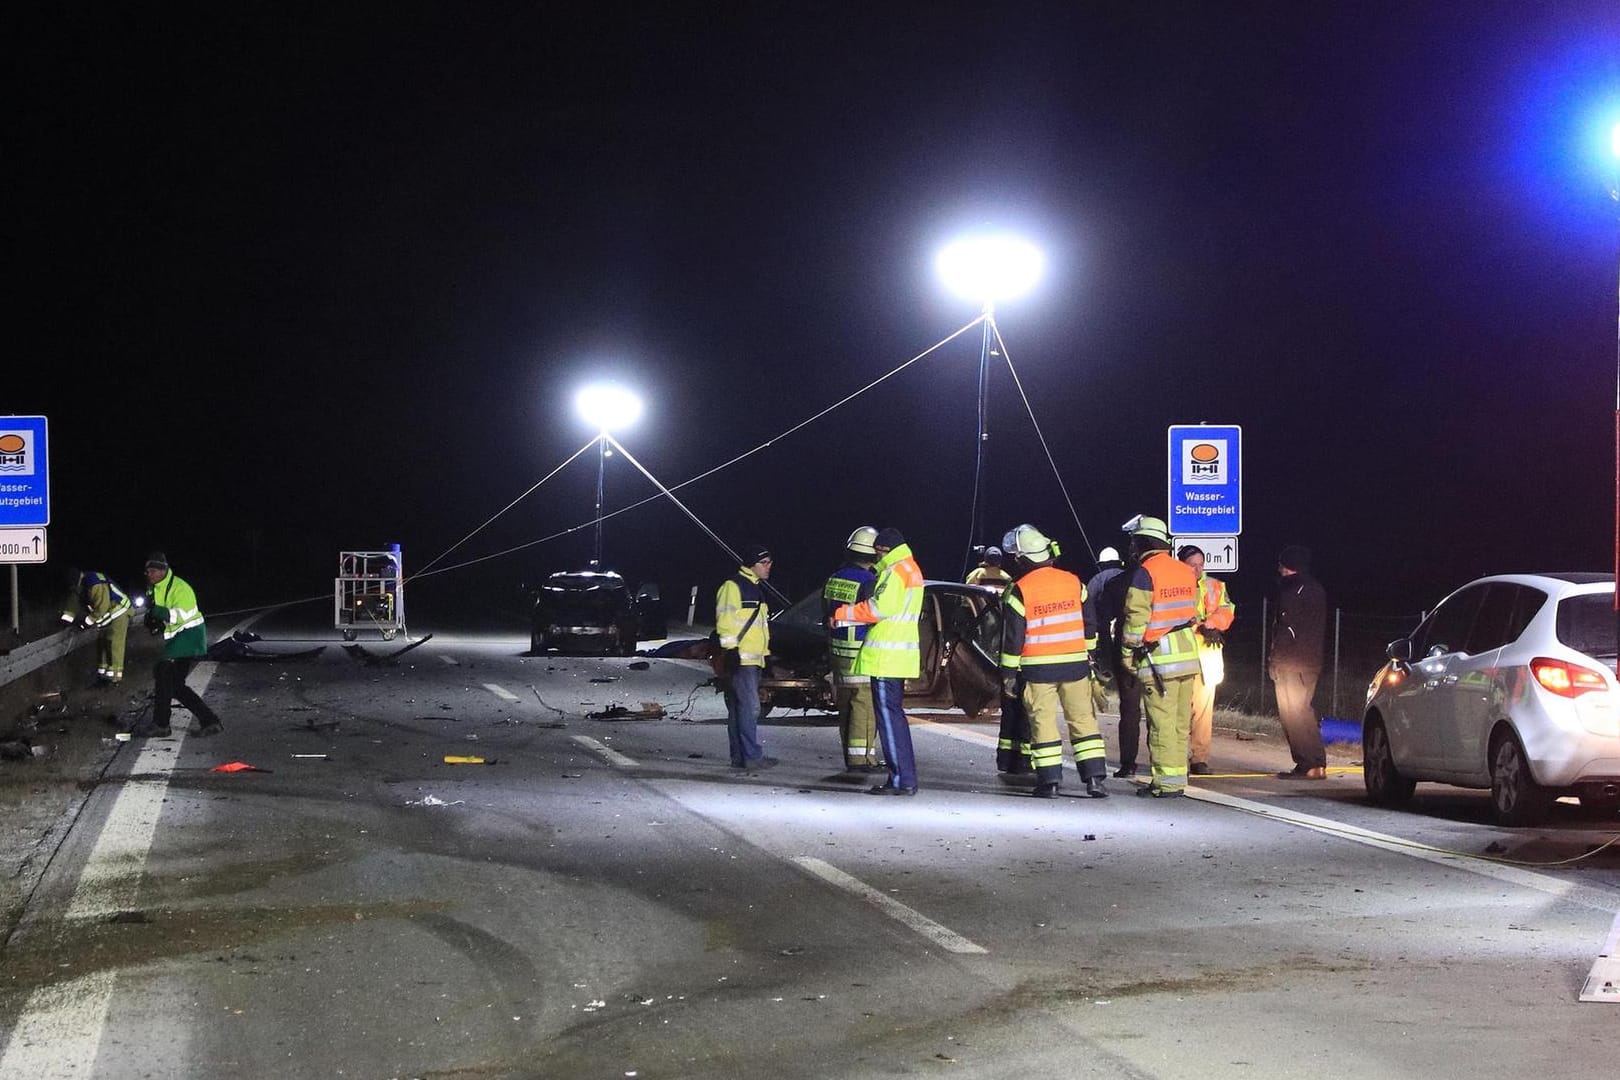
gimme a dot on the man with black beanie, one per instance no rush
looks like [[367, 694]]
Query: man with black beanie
[[1296, 661]]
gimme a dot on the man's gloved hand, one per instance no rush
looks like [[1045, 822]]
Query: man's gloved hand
[[1099, 696], [153, 624], [1212, 636], [1010, 684]]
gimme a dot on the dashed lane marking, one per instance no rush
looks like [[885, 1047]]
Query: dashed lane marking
[[612, 756], [501, 692], [60, 1030], [942, 936], [452, 661]]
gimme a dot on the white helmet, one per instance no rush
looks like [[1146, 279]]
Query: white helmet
[[1108, 555], [860, 541], [1030, 544]]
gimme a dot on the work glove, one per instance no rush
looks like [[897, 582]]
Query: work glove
[[1010, 684], [1212, 636], [153, 624], [1099, 696]]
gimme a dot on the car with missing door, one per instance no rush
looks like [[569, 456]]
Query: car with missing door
[[1508, 684]]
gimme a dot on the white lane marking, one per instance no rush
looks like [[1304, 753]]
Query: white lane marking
[[501, 692], [1603, 981], [60, 1030], [452, 661], [965, 734], [1584, 895], [612, 756], [942, 936], [1587, 896]]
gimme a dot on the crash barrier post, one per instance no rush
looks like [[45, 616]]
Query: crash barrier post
[[36, 654], [691, 608]]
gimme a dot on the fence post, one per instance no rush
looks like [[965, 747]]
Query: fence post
[[691, 608], [1265, 622], [1337, 614]]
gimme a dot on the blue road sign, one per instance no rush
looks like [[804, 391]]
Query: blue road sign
[[1206, 480], [25, 473]]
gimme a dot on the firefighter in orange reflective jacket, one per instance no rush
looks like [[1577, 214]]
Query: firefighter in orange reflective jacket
[[1045, 654], [1157, 640], [1219, 611]]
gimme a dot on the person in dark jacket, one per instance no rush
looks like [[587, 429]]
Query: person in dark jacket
[[1110, 593], [1296, 661]]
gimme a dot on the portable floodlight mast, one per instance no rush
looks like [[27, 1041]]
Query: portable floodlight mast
[[608, 408], [987, 268]]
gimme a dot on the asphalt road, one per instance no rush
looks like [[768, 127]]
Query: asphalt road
[[608, 898]]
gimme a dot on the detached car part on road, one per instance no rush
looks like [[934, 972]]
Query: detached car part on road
[[960, 636], [1509, 685], [593, 612]]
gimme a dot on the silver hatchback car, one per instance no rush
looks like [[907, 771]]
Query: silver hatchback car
[[1508, 684]]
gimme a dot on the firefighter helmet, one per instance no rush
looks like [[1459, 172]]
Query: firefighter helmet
[[860, 541], [1030, 544], [1108, 555], [1150, 527]]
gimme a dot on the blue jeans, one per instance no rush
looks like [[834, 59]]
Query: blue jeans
[[893, 731], [742, 715]]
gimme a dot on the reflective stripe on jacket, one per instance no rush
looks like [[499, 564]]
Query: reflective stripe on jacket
[[891, 649], [850, 585], [1046, 618], [99, 600], [739, 597], [174, 603], [1162, 606], [1219, 611]]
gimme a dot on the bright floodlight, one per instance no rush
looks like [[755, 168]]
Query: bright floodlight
[[990, 268], [607, 407]]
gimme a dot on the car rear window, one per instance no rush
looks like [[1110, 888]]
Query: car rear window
[[1586, 623]]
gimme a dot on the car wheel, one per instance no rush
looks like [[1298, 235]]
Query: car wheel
[[1385, 784], [1516, 798]]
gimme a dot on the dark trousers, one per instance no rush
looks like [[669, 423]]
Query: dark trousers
[[1300, 723], [1012, 744], [169, 685], [742, 715], [1129, 688], [894, 732]]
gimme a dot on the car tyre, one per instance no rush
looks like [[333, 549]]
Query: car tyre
[[1516, 798], [1385, 784]]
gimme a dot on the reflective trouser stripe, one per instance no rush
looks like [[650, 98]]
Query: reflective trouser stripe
[[1169, 717], [857, 725], [1042, 701]]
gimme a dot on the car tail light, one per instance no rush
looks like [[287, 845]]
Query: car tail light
[[1565, 679]]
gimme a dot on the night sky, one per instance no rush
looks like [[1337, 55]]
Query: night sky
[[298, 279]]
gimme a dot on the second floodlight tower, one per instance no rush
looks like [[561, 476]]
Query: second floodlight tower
[[608, 408], [987, 268]]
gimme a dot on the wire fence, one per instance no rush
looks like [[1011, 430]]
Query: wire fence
[[1353, 653]]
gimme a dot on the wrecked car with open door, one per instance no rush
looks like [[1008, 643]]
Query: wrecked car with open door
[[960, 636]]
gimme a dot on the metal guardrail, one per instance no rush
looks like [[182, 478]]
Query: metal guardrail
[[36, 654]]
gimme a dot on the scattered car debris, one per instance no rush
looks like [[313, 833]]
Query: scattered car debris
[[433, 800], [16, 750], [605, 679], [466, 759], [366, 656], [640, 665], [313, 757], [650, 710], [237, 767]]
